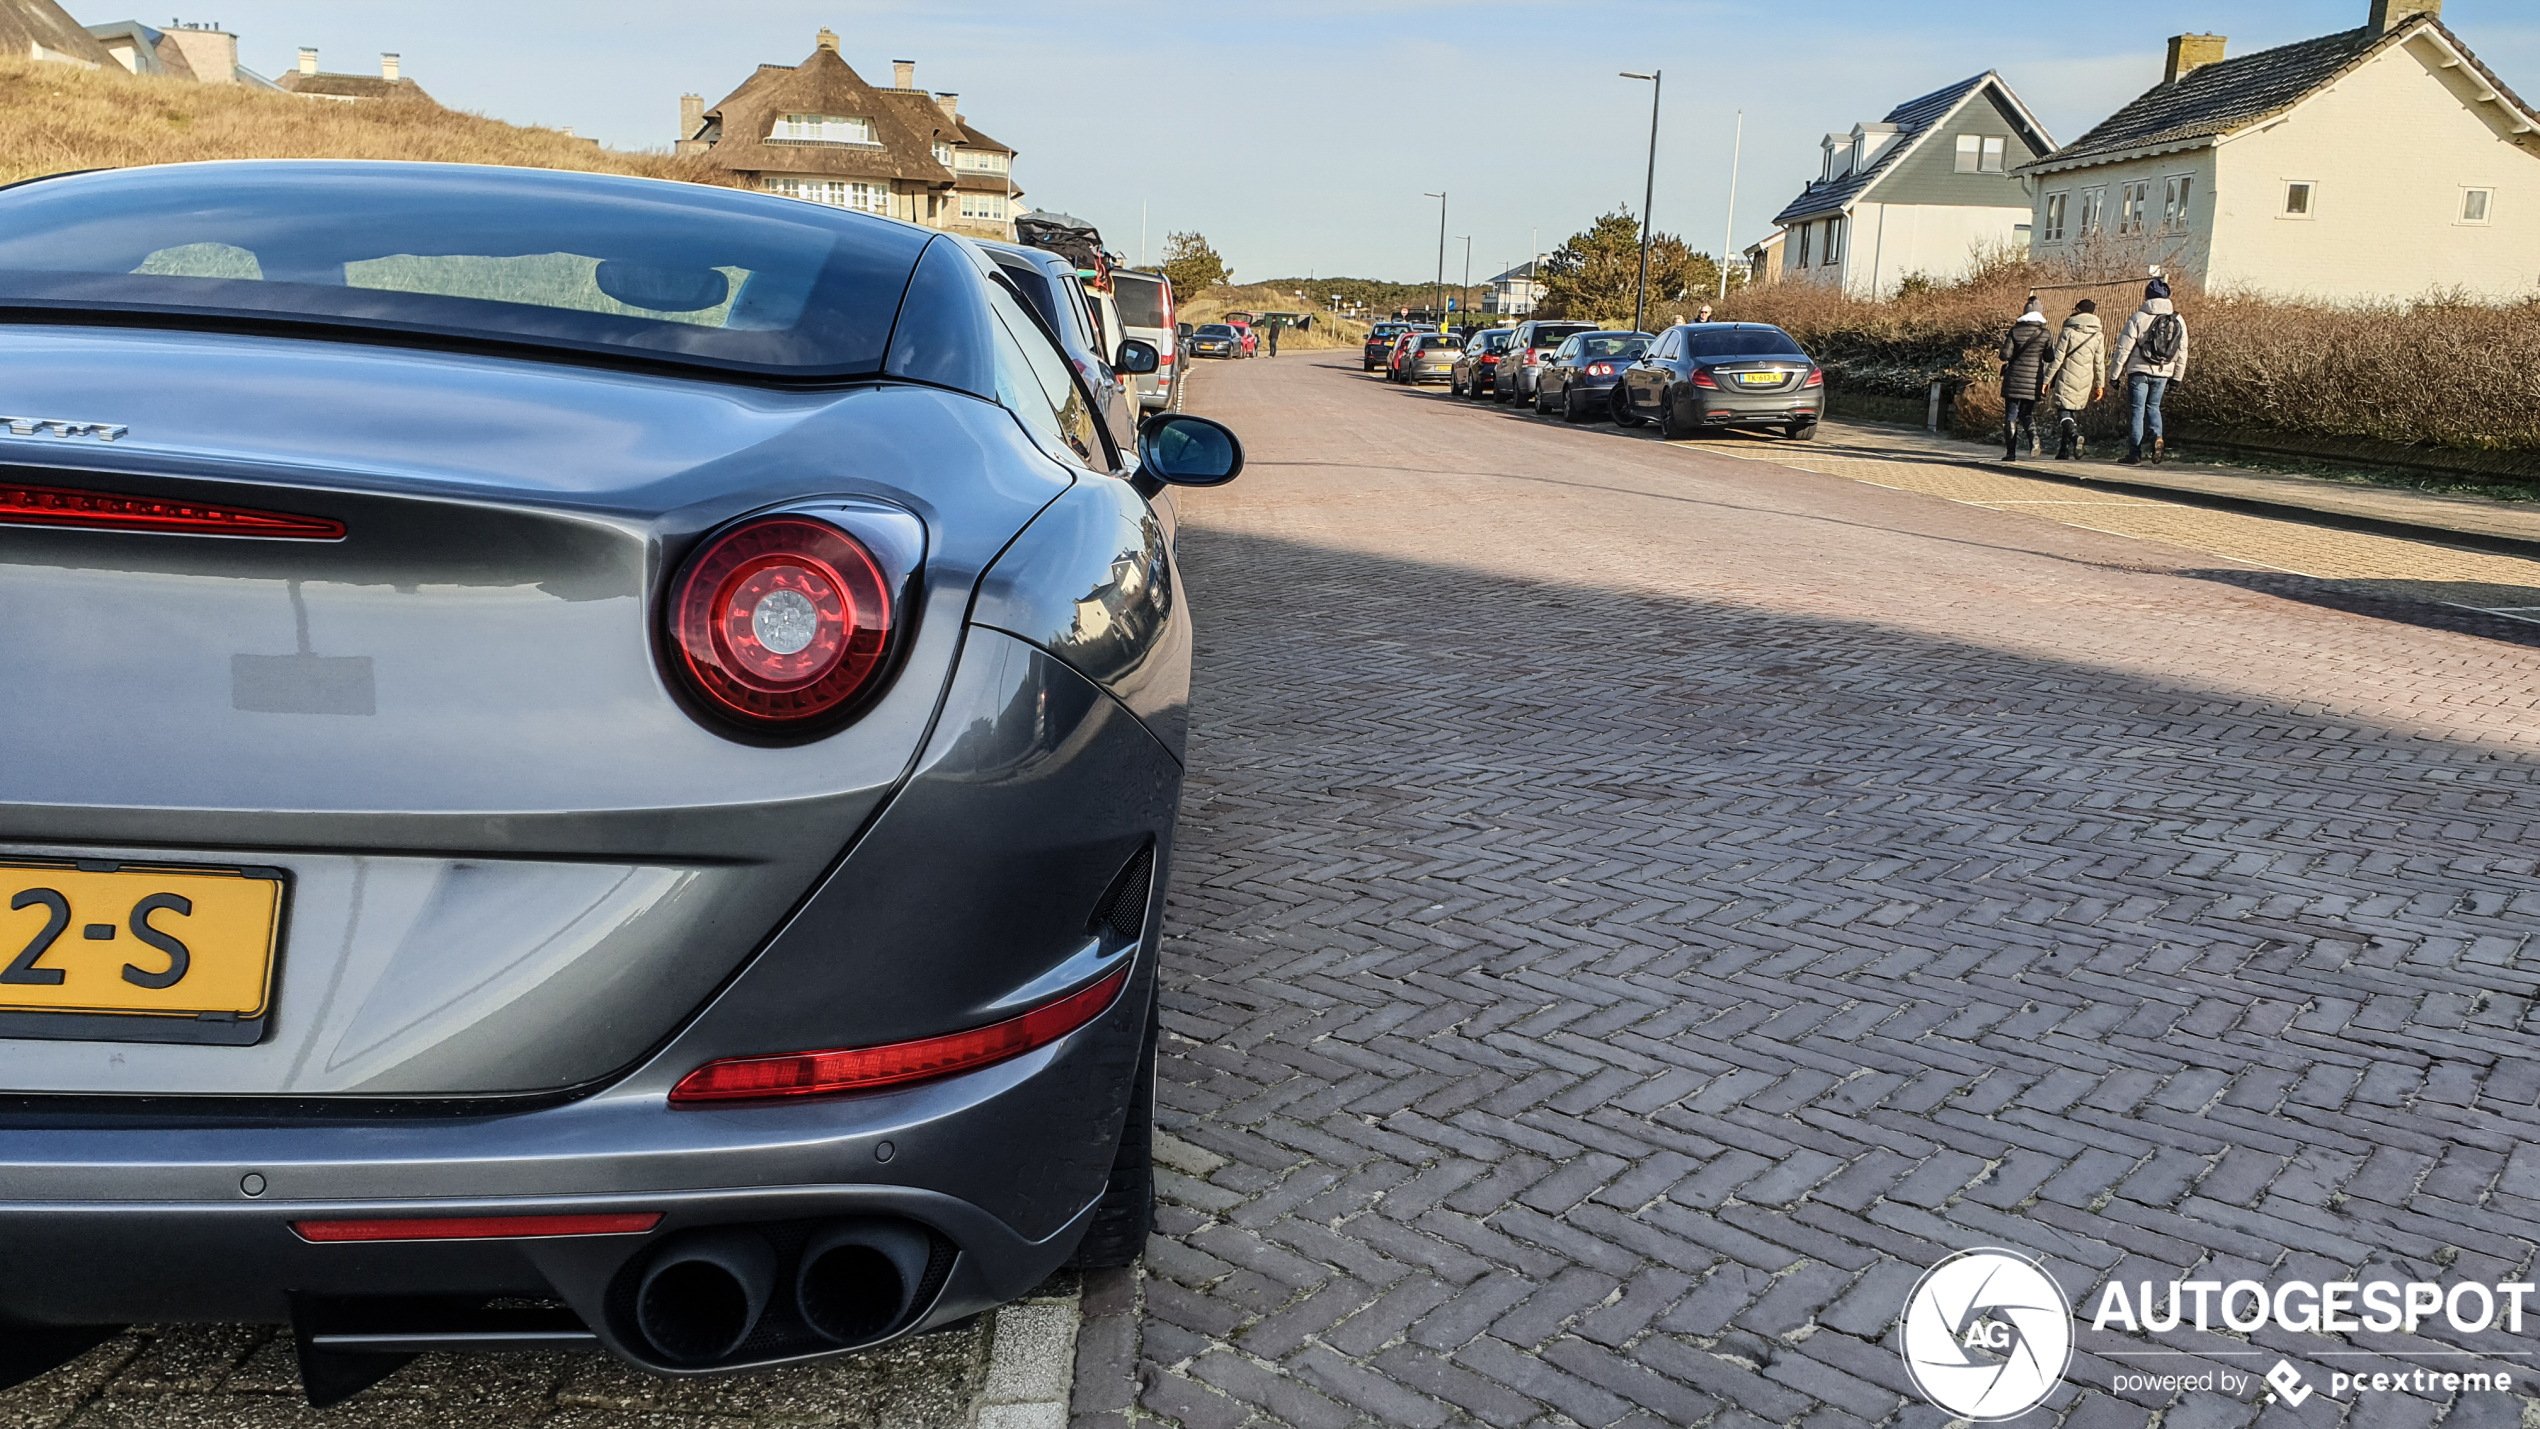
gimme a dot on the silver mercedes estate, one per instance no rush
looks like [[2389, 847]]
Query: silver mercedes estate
[[590, 762]]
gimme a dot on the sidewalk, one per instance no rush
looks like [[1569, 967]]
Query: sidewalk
[[2394, 511]]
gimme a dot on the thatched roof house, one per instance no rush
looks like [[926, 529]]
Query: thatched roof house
[[816, 131]]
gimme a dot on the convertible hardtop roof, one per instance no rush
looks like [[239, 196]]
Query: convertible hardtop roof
[[604, 265]]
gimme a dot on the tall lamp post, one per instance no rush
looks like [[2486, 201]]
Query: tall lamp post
[[1640, 299], [1465, 303], [1729, 235], [1441, 198]]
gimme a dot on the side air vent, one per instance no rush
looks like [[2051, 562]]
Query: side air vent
[[1121, 912]]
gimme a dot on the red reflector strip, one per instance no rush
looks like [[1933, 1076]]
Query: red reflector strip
[[53, 506], [849, 1069], [478, 1227]]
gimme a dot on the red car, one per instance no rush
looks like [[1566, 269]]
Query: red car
[[1251, 346]]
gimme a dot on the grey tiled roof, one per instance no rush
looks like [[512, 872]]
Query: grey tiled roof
[[1911, 119], [2219, 98], [2229, 96]]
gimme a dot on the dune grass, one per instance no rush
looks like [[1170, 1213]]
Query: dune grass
[[57, 117]]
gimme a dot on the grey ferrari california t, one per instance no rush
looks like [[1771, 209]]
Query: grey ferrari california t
[[592, 762]]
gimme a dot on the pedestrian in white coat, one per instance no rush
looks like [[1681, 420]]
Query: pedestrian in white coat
[[2151, 354]]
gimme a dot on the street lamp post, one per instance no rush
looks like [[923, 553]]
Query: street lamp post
[[1466, 302], [1736, 152], [1441, 198], [1640, 299]]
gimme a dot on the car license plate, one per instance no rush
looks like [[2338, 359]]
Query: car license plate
[[137, 952], [1759, 379]]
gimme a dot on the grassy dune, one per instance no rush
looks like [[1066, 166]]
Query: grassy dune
[[57, 117]]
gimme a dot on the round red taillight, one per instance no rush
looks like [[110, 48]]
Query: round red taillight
[[781, 620]]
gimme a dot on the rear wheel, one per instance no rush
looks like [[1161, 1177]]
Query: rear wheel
[[1669, 429], [1127, 1209], [1803, 431]]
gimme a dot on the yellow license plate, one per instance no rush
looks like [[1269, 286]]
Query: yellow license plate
[[131, 941], [1759, 379]]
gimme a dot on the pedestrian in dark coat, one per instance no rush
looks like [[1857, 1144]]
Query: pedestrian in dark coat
[[1275, 325], [2027, 351]]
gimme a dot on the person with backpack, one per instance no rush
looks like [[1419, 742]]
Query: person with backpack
[[2026, 349], [2151, 354], [2076, 375]]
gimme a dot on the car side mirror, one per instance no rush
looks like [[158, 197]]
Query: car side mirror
[[1177, 449], [1138, 358]]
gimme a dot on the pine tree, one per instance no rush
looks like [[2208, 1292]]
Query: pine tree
[[1596, 274], [1192, 266]]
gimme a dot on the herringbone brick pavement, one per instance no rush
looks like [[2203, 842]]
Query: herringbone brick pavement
[[1636, 910]]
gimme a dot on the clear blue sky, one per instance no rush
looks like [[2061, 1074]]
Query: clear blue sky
[[1299, 137]]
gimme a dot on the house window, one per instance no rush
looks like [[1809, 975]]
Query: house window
[[979, 161], [1980, 153], [2176, 192], [987, 206], [2134, 202], [837, 193], [943, 153], [1799, 256], [2094, 212], [1834, 242], [2475, 204], [1993, 152], [2297, 198], [823, 129], [2055, 217]]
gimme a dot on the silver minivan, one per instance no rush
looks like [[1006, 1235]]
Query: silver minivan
[[1145, 301]]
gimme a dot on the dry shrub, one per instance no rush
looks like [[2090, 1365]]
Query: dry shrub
[[1213, 305], [58, 117], [2443, 372]]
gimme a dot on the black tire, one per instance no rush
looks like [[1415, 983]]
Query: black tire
[[1571, 410], [1803, 431], [1621, 406], [1669, 429], [1540, 409], [1454, 385], [1126, 1212]]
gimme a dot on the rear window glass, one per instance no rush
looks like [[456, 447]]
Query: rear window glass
[[588, 262], [1613, 346], [1551, 334], [1431, 344], [1746, 342], [1494, 341], [1141, 303], [1215, 330]]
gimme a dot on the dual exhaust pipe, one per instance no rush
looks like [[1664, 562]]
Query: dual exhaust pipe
[[705, 1295]]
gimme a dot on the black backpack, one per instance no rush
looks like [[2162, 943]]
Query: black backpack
[[2161, 341]]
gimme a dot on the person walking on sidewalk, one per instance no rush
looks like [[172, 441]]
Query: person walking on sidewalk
[[2151, 355], [2025, 350], [2076, 375]]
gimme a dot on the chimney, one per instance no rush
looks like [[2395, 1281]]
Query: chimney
[[903, 74], [950, 103], [308, 60], [827, 39], [2388, 15], [2190, 53], [692, 115], [388, 65]]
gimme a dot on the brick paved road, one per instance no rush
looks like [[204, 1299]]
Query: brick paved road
[[1638, 908]]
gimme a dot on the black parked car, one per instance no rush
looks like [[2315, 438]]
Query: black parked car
[[1479, 367], [1709, 375], [1216, 340], [1577, 379], [1380, 344], [1530, 344]]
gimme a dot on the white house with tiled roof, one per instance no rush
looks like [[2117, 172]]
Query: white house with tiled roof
[[1923, 193], [2378, 163]]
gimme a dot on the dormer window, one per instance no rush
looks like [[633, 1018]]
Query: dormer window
[[979, 161], [824, 129], [943, 153]]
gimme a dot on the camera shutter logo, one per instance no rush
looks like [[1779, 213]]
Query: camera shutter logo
[[1987, 1334]]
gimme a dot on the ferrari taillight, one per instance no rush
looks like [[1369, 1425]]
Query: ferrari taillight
[[781, 621], [850, 1069]]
